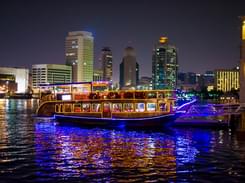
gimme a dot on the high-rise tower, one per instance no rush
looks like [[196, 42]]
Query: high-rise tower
[[106, 59], [129, 70], [164, 65], [79, 50]]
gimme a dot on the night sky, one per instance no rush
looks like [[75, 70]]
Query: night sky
[[206, 33]]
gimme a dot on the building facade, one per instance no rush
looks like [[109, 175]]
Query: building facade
[[145, 83], [7, 83], [50, 74], [227, 79], [242, 62], [187, 81], [164, 65], [21, 77], [106, 59], [98, 75], [79, 52], [129, 70]]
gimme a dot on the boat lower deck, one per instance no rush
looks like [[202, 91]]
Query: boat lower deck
[[116, 122]]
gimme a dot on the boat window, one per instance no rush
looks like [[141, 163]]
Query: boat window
[[151, 107], [86, 107], [117, 107], [162, 107], [169, 94], [94, 95], [80, 96], [67, 108], [61, 108], [161, 95], [66, 97], [128, 107], [152, 95], [106, 107], [140, 107], [103, 95], [117, 95], [128, 95], [140, 95], [96, 107], [57, 108], [113, 95], [77, 108]]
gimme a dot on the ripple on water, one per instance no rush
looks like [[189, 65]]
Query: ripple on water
[[33, 150]]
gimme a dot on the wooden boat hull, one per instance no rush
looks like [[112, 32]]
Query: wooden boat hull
[[117, 122]]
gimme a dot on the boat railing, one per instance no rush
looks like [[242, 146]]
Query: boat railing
[[127, 106], [136, 94]]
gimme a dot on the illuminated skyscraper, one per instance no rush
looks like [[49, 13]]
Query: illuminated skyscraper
[[164, 65], [106, 59], [227, 79], [129, 70], [79, 50], [242, 61]]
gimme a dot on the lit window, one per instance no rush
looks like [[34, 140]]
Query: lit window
[[140, 107], [117, 107], [77, 107], [67, 107], [96, 107], [162, 107], [86, 107], [151, 107], [128, 107], [74, 46]]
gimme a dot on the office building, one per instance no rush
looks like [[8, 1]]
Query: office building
[[7, 83], [98, 75], [21, 77], [209, 77], [209, 80], [187, 81], [227, 79], [187, 78], [145, 83], [106, 59], [50, 74], [79, 52], [129, 70], [181, 78], [164, 65]]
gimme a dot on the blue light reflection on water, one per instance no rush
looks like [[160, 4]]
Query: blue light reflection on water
[[90, 152], [85, 152]]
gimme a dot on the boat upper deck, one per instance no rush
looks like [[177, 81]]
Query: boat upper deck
[[98, 91]]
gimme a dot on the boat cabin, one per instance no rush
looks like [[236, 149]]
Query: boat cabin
[[82, 99]]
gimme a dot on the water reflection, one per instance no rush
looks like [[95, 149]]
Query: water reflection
[[74, 151], [3, 127], [16, 137], [34, 150]]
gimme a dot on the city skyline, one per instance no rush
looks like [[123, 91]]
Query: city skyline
[[42, 27]]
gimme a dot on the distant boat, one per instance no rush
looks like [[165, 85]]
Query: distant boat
[[203, 116]]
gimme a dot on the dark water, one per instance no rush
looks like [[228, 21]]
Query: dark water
[[38, 150]]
